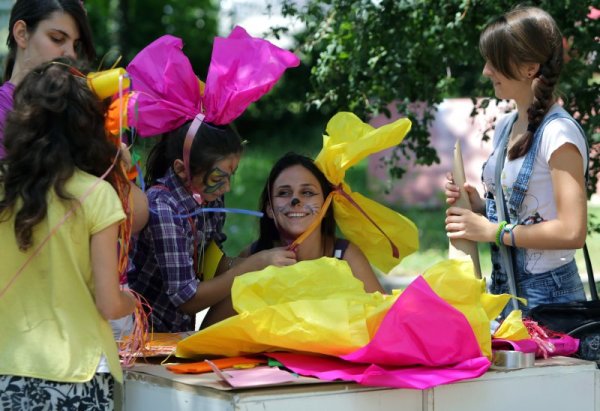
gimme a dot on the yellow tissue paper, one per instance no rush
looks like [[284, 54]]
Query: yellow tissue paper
[[348, 141], [512, 328], [318, 306], [315, 306], [211, 260]]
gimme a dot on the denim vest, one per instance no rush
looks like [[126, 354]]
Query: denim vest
[[559, 285]]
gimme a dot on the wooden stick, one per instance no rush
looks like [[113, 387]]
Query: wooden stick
[[460, 248]]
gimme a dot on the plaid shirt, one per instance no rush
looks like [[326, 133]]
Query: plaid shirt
[[162, 260]]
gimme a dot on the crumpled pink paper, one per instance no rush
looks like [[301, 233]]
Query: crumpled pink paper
[[242, 69], [166, 92], [422, 342]]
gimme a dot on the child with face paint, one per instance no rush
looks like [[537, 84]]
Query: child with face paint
[[169, 250], [294, 193], [191, 169]]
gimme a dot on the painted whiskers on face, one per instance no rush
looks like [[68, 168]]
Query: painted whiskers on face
[[293, 211]]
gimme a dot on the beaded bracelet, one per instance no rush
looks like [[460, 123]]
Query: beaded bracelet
[[509, 229], [499, 233]]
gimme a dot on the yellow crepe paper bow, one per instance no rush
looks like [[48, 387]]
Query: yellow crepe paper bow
[[384, 235]]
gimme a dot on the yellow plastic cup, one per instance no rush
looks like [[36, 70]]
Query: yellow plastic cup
[[106, 83]]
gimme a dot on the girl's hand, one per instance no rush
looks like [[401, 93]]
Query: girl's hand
[[279, 257], [463, 223], [452, 192]]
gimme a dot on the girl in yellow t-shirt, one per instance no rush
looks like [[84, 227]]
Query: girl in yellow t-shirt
[[59, 222]]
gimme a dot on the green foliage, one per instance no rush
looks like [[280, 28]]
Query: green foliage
[[124, 27], [368, 55]]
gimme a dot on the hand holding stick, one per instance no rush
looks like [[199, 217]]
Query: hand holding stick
[[461, 248]]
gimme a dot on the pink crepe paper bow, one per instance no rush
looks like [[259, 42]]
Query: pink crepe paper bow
[[167, 92]]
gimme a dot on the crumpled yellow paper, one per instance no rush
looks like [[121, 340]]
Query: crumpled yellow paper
[[455, 282], [512, 328], [348, 141], [315, 306], [318, 306]]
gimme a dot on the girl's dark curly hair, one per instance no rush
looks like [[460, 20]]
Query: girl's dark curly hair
[[56, 127], [526, 35]]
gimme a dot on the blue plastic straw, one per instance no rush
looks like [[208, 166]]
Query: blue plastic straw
[[216, 210]]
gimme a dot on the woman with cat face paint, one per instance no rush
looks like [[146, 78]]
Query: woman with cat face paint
[[291, 201], [292, 197]]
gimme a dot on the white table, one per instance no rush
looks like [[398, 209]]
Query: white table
[[561, 384]]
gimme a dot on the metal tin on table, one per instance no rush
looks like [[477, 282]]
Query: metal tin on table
[[512, 360]]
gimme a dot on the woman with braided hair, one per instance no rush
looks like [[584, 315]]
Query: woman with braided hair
[[535, 216]]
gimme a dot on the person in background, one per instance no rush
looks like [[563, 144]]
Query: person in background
[[59, 227], [41, 30], [543, 176]]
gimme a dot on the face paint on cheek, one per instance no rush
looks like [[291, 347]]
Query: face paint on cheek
[[281, 209], [215, 180], [313, 209], [308, 208]]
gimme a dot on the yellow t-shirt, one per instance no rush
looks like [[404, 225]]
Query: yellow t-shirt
[[50, 326]]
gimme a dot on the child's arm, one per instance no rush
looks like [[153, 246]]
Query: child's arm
[[140, 207], [361, 269], [139, 201], [110, 300], [217, 289]]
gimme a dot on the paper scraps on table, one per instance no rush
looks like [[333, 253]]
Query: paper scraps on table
[[253, 377], [220, 363]]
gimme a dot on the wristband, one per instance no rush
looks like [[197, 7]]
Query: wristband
[[499, 232], [509, 229]]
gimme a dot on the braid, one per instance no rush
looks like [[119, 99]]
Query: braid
[[545, 80], [543, 98]]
